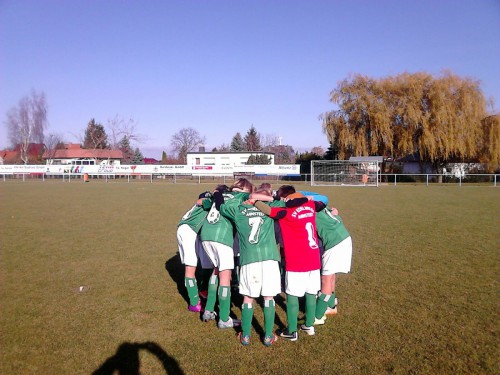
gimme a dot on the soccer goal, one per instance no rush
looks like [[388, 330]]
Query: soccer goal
[[344, 173]]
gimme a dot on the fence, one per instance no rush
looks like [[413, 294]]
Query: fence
[[385, 179]]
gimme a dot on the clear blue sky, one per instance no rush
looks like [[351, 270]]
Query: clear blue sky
[[221, 66]]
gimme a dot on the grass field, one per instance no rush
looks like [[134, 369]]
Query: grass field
[[91, 283]]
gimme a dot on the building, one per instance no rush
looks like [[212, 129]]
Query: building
[[73, 154], [220, 158]]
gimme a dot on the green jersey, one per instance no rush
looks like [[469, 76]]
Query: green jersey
[[194, 218], [218, 228], [255, 233], [330, 228]]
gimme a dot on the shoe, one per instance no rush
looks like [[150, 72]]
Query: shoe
[[244, 339], [319, 322], [270, 340], [209, 315], [330, 311], [196, 308], [287, 335], [230, 323], [308, 330], [203, 294]]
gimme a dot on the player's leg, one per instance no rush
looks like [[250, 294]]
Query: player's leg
[[246, 320], [186, 240], [226, 265], [342, 264], [271, 286], [313, 284], [295, 288], [213, 283]]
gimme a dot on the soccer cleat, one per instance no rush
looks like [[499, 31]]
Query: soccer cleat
[[230, 323], [244, 339], [330, 311], [319, 322], [270, 340], [196, 308], [293, 336], [209, 315], [308, 330]]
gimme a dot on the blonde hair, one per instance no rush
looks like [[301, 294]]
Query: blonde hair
[[242, 184], [265, 187]]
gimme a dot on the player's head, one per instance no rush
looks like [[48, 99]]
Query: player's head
[[242, 184], [267, 192], [285, 190], [222, 188], [267, 187]]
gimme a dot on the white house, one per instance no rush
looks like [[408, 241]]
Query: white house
[[220, 158]]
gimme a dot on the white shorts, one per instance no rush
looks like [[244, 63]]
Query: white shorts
[[186, 241], [222, 256], [338, 258], [300, 283], [260, 279]]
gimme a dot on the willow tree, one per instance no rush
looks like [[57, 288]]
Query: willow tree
[[441, 118]]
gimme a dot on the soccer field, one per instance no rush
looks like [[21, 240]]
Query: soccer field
[[91, 283]]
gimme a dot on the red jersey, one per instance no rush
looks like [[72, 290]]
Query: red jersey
[[298, 229]]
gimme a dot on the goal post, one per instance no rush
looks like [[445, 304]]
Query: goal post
[[344, 173]]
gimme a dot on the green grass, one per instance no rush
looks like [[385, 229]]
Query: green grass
[[422, 297]]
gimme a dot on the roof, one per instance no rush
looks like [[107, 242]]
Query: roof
[[9, 156], [231, 152], [84, 153], [367, 158]]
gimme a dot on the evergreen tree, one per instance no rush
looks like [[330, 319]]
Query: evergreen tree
[[95, 136], [258, 159], [138, 157], [124, 147], [332, 153], [164, 158], [237, 143], [252, 140]]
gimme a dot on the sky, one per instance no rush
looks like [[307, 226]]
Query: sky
[[221, 66]]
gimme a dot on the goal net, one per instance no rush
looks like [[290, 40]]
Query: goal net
[[344, 173]]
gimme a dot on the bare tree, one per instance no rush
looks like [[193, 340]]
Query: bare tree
[[186, 140], [118, 128], [26, 122], [53, 142]]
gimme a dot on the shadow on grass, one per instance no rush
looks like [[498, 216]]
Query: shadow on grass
[[126, 360], [175, 269]]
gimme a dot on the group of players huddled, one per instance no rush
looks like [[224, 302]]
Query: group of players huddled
[[267, 232]]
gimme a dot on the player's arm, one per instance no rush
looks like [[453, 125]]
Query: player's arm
[[274, 212], [315, 196], [319, 206]]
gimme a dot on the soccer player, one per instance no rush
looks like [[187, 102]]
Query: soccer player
[[302, 257], [190, 250], [217, 239], [259, 272], [336, 258]]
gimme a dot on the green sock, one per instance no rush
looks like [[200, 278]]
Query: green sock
[[322, 304], [246, 318], [292, 310], [269, 314], [213, 284], [192, 289], [224, 302], [331, 302], [310, 309]]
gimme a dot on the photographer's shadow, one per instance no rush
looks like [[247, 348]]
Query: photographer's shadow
[[126, 360]]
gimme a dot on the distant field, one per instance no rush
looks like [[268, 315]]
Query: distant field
[[90, 283]]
